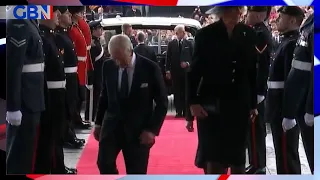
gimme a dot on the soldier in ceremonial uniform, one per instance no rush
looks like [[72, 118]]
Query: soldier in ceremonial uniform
[[70, 68], [257, 134], [50, 144], [80, 45], [286, 144], [97, 55], [25, 96], [222, 86], [296, 90]]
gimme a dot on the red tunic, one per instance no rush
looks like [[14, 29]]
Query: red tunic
[[81, 50], [85, 29]]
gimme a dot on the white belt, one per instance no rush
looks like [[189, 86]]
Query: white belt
[[300, 65], [100, 55], [70, 70], [88, 48], [81, 58], [56, 84], [31, 68], [275, 84]]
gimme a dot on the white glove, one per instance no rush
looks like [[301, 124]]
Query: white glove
[[89, 87], [260, 99], [14, 118], [288, 124], [309, 119]]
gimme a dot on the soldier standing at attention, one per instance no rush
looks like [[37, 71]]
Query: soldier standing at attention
[[25, 96], [288, 24], [98, 58], [257, 134], [70, 68], [53, 118], [80, 46], [296, 90]]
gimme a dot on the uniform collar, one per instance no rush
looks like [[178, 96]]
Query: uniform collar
[[46, 29], [61, 29], [290, 33]]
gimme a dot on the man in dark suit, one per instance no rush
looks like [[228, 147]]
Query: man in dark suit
[[127, 118], [143, 49], [133, 12], [127, 30], [179, 55]]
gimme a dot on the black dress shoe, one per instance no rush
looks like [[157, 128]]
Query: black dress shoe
[[83, 125], [74, 144], [250, 169], [70, 170], [179, 115], [253, 170]]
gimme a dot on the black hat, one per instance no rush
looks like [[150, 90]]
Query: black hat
[[258, 8], [295, 11], [62, 9], [76, 9], [95, 24], [220, 9]]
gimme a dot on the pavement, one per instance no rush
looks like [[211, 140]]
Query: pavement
[[72, 156]]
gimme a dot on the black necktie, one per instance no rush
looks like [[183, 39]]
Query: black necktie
[[180, 45], [124, 89]]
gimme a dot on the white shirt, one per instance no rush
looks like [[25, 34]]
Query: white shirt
[[130, 71]]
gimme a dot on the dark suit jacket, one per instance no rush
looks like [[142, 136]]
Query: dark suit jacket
[[146, 51], [175, 57], [141, 114], [131, 13]]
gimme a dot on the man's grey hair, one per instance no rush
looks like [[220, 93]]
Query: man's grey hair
[[141, 36], [120, 41], [179, 27]]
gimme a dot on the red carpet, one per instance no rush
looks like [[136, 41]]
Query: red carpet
[[173, 152]]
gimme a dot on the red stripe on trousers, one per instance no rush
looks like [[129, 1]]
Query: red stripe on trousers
[[284, 152], [2, 131], [34, 156], [223, 177], [253, 143]]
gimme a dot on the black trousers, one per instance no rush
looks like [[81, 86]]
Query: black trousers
[[257, 140], [307, 134], [136, 156], [72, 112], [81, 98], [52, 126], [181, 103], [21, 144]]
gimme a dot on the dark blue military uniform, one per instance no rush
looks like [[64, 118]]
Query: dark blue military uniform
[[25, 81], [98, 58], [297, 86], [70, 67], [53, 118], [257, 133], [286, 144]]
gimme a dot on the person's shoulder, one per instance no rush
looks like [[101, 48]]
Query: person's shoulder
[[108, 64], [146, 61]]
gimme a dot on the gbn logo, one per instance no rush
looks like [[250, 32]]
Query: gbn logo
[[30, 12]]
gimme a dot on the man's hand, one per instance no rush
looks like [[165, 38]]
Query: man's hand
[[189, 126], [97, 132], [168, 75], [253, 114], [198, 111], [147, 138], [288, 124], [184, 65], [14, 118], [309, 119]]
